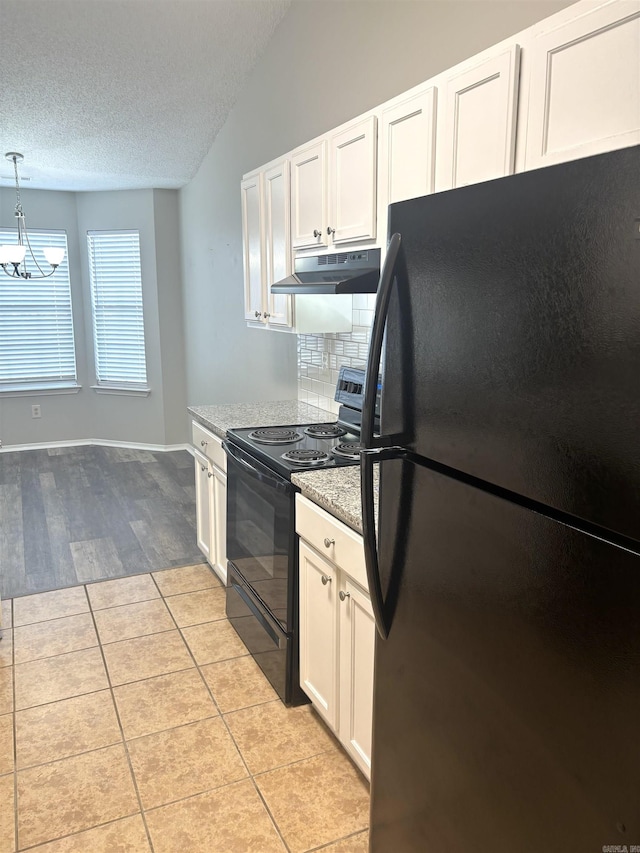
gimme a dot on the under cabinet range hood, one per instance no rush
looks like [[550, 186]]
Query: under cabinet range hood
[[344, 272]]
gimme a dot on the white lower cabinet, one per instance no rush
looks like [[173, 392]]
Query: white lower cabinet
[[211, 498], [357, 643], [337, 629], [204, 501]]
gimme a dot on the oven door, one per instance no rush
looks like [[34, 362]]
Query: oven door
[[261, 532]]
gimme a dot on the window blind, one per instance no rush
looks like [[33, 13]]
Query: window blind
[[37, 346], [116, 296]]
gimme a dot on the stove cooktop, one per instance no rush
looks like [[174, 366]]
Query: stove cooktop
[[302, 447]]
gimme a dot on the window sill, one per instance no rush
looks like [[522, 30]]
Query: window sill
[[121, 390], [38, 390]]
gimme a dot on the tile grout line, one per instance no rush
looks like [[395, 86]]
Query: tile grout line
[[124, 741], [198, 667], [96, 749], [233, 740], [251, 776], [74, 834]]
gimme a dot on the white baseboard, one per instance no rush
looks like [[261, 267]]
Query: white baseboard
[[132, 445]]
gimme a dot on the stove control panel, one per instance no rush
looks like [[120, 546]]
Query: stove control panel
[[350, 388]]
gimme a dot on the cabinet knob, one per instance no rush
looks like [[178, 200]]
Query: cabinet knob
[[257, 313], [344, 595], [325, 580], [330, 231], [329, 542], [316, 233], [203, 444], [266, 315], [209, 474], [202, 468]]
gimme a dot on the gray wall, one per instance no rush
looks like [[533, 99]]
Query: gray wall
[[327, 62], [159, 418]]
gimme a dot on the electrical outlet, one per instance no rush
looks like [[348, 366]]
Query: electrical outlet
[[35, 412]]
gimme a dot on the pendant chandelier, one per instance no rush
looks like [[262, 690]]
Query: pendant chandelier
[[12, 256]]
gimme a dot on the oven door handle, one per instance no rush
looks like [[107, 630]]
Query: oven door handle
[[260, 474], [277, 638]]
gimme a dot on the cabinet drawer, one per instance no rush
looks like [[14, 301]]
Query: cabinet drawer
[[344, 548], [209, 444]]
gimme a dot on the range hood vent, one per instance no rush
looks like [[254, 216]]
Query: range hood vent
[[344, 272]]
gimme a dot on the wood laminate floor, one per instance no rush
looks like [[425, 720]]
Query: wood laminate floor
[[78, 514]]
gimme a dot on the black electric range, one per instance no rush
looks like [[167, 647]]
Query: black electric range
[[300, 447], [262, 545], [303, 447]]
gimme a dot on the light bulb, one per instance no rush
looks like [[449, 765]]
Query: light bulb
[[54, 255]]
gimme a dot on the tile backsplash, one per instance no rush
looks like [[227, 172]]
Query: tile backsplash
[[321, 356]]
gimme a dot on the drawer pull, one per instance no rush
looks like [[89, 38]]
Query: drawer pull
[[329, 542], [344, 595], [325, 580]]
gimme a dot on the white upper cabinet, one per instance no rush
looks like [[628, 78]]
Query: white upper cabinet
[[406, 167], [333, 188], [277, 233], [352, 183], [309, 196], [584, 94], [579, 95], [266, 234], [253, 248], [476, 137], [266, 225]]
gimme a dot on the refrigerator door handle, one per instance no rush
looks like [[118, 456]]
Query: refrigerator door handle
[[367, 496], [387, 277]]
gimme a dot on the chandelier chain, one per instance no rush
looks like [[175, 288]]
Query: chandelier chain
[[15, 169]]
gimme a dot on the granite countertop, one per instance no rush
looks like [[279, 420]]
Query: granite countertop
[[338, 491], [335, 489], [219, 419]]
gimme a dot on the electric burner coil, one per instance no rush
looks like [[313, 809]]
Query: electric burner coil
[[306, 457], [275, 435], [325, 431], [347, 450]]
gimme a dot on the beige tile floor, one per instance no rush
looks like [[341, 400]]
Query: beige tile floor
[[132, 719]]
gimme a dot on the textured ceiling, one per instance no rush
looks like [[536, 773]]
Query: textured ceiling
[[122, 94]]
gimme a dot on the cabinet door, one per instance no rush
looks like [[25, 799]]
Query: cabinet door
[[319, 633], [357, 644], [585, 86], [253, 249], [352, 183], [477, 139], [203, 524], [277, 228], [309, 196], [407, 151], [219, 525]]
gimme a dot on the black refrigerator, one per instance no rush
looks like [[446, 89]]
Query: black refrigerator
[[505, 575]]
